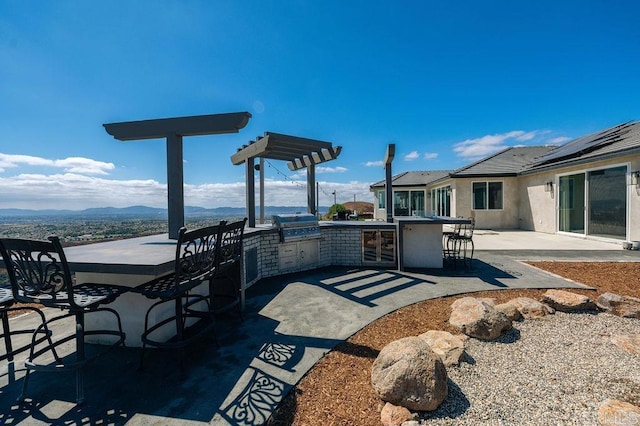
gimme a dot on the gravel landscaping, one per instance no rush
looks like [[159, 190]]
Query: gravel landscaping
[[550, 371]]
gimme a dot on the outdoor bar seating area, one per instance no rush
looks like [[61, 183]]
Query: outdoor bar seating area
[[208, 259], [458, 246]]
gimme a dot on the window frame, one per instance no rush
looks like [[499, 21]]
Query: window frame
[[382, 199], [487, 198], [409, 207]]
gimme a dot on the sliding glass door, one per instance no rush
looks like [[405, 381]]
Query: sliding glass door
[[441, 200], [571, 203], [608, 203], [594, 203]]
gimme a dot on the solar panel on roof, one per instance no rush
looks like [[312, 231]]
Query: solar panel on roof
[[587, 143]]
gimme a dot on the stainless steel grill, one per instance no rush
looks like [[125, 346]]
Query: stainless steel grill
[[296, 227]]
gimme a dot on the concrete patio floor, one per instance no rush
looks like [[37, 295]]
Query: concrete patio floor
[[290, 322]]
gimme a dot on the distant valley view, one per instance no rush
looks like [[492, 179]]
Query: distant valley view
[[110, 223]]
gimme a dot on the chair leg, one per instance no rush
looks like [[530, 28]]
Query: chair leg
[[7, 344], [80, 357], [42, 328], [180, 328], [144, 342], [25, 382]]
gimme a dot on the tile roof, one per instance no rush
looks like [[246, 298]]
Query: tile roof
[[508, 162], [419, 178]]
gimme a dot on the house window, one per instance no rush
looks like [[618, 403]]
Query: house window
[[441, 200], [487, 195], [401, 203], [407, 203], [382, 196]]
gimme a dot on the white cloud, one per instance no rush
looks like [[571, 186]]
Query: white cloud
[[485, 145], [79, 188], [69, 164], [526, 136], [411, 156], [321, 169], [378, 163], [430, 155], [302, 173], [76, 192], [559, 140]]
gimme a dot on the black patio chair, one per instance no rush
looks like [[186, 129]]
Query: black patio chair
[[196, 262], [39, 274], [7, 305], [448, 253], [225, 286], [459, 245]]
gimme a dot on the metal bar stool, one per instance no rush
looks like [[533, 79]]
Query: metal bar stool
[[39, 274]]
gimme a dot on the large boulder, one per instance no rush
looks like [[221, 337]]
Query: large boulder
[[628, 342], [448, 347], [530, 308], [408, 373], [509, 310], [616, 413], [394, 415], [477, 318], [622, 306], [566, 301]]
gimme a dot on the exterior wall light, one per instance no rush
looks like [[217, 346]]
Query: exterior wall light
[[548, 187], [635, 178]]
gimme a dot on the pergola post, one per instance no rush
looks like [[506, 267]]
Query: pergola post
[[388, 159], [175, 189], [251, 192], [311, 190], [261, 167]]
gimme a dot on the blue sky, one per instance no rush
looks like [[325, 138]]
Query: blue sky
[[447, 82]]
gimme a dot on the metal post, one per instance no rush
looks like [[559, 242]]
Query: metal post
[[311, 196], [388, 159], [251, 192], [175, 191], [261, 165]]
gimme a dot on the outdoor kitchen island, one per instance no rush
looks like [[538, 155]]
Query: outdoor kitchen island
[[420, 240], [409, 242]]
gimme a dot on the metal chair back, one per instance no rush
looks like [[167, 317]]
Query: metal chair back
[[38, 271], [197, 254], [231, 244], [466, 230]]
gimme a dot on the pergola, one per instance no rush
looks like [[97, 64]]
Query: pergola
[[298, 152], [174, 129]]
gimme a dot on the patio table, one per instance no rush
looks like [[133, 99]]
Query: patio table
[[129, 262]]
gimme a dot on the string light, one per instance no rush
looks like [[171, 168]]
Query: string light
[[285, 177], [288, 178]]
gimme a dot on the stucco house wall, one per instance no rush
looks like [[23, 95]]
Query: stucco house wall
[[505, 218], [538, 209]]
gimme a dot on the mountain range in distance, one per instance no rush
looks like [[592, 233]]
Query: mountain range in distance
[[152, 212]]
